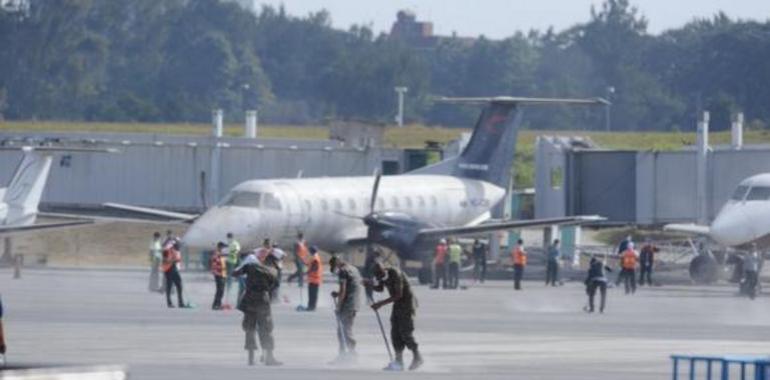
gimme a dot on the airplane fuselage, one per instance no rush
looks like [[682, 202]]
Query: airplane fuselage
[[324, 208], [745, 219]]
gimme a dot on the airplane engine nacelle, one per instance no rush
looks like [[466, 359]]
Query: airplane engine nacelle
[[398, 232]]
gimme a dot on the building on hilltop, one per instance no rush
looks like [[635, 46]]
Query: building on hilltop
[[419, 34]]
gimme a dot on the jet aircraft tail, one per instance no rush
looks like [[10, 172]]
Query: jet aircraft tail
[[490, 151], [26, 188]]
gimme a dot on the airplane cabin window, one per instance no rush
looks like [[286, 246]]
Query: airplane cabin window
[[394, 202], [380, 203], [408, 202], [308, 205], [420, 201], [351, 204], [758, 194], [324, 205], [337, 205], [739, 193], [433, 201]]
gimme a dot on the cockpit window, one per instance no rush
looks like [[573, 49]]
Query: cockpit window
[[739, 193], [243, 199], [270, 201], [758, 193], [252, 200]]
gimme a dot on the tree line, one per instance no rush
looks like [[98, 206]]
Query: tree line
[[175, 60]]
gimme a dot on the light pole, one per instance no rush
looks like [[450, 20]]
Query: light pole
[[401, 90], [610, 90]]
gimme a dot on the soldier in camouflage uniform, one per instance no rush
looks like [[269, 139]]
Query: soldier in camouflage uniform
[[255, 305], [402, 315], [346, 307]]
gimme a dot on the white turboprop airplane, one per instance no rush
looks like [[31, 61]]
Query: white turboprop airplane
[[740, 224], [19, 201], [406, 213]]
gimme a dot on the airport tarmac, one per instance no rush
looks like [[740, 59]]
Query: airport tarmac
[[77, 317]]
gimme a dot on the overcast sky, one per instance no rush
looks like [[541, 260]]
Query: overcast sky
[[501, 18]]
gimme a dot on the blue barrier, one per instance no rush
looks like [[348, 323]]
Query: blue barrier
[[761, 365]]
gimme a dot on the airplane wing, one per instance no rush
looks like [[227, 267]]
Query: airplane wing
[[690, 229], [153, 211], [508, 225], [43, 226]]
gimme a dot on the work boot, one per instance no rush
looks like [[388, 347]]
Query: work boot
[[416, 361], [270, 359], [396, 365], [341, 359]]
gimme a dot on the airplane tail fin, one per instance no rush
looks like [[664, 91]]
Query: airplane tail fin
[[26, 188], [23, 194], [490, 151]]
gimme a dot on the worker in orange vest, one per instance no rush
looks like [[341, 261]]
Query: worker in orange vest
[[628, 261], [314, 279], [170, 267], [300, 255], [218, 267], [519, 263], [439, 265]]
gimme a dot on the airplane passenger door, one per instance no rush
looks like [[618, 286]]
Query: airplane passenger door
[[295, 218]]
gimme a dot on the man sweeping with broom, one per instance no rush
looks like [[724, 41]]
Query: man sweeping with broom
[[402, 314], [346, 301]]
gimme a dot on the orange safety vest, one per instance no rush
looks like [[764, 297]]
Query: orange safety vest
[[315, 276], [628, 260], [441, 253], [519, 257], [302, 252], [170, 258], [219, 265]]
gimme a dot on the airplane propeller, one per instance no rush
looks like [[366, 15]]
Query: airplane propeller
[[371, 219]]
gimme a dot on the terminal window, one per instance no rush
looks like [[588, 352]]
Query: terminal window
[[557, 177]]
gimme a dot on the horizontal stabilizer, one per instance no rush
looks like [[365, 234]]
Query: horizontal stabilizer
[[691, 229], [509, 225], [58, 149], [43, 226], [152, 211], [518, 100]]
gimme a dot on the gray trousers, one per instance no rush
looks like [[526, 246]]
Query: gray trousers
[[259, 323], [155, 281], [345, 330]]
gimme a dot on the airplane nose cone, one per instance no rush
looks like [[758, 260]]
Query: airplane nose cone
[[730, 228], [198, 236], [213, 226]]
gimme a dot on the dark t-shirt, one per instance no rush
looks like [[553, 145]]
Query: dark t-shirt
[[396, 281], [260, 281], [479, 251], [352, 280]]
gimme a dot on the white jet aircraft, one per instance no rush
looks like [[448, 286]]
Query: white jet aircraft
[[742, 221], [740, 224], [19, 201], [406, 213]]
